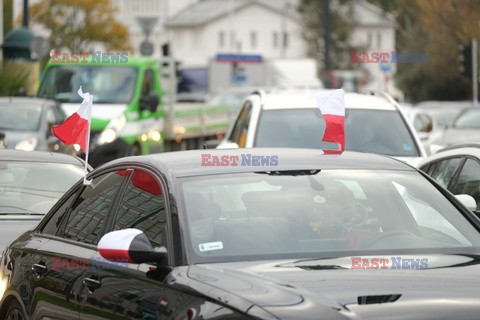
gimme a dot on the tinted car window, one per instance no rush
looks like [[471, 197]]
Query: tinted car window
[[55, 220], [444, 171], [89, 212], [299, 128], [254, 214], [377, 131], [468, 181], [142, 206]]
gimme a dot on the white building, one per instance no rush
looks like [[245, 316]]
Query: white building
[[272, 29], [206, 28], [375, 30], [198, 30]]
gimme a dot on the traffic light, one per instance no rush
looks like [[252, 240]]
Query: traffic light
[[465, 59]]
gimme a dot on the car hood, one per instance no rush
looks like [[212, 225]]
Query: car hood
[[453, 136], [447, 288], [13, 137], [12, 226]]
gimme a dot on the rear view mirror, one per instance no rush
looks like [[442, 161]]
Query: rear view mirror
[[149, 102], [467, 200]]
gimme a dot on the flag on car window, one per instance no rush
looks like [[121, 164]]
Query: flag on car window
[[75, 130], [332, 106]]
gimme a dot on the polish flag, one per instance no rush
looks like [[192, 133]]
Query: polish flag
[[332, 106], [130, 245], [76, 129]]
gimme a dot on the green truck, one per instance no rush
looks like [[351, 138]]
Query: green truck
[[134, 108]]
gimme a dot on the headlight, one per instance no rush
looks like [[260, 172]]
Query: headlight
[[27, 144], [112, 131]]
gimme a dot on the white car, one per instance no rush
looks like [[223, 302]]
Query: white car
[[456, 168], [373, 123]]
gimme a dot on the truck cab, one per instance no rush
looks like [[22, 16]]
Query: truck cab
[[127, 115]]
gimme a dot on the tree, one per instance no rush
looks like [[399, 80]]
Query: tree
[[437, 28], [7, 16], [13, 78], [341, 26], [79, 26]]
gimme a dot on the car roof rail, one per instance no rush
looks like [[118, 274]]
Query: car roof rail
[[261, 93], [461, 145], [386, 96]]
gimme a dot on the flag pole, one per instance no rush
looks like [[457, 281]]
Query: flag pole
[[85, 181]]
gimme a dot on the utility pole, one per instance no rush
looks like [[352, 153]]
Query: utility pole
[[474, 72], [25, 13], [326, 36]]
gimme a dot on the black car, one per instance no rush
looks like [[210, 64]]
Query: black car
[[248, 234], [26, 123]]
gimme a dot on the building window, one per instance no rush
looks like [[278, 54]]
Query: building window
[[253, 39], [379, 40], [369, 40], [275, 40], [232, 40], [285, 39], [221, 39]]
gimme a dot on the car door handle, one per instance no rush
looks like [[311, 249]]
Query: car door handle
[[92, 284]]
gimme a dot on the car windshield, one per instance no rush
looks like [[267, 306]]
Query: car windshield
[[377, 131], [470, 119], [112, 84], [443, 116], [20, 117], [320, 214], [33, 188]]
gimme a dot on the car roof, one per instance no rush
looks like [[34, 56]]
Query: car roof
[[304, 100], [39, 156], [472, 150], [431, 104], [189, 163]]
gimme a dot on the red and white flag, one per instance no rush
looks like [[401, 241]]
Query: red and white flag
[[75, 130], [332, 106]]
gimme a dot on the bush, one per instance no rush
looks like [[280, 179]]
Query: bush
[[13, 78]]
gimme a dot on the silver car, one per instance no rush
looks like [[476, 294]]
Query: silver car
[[27, 124]]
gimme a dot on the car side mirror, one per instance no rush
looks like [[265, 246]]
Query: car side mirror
[[467, 200], [210, 144], [149, 102], [131, 245]]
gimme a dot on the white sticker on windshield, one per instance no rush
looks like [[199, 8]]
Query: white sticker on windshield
[[209, 246]]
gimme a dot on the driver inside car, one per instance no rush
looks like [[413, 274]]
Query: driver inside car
[[335, 214]]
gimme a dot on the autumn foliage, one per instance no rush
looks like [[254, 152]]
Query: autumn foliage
[[81, 25]]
